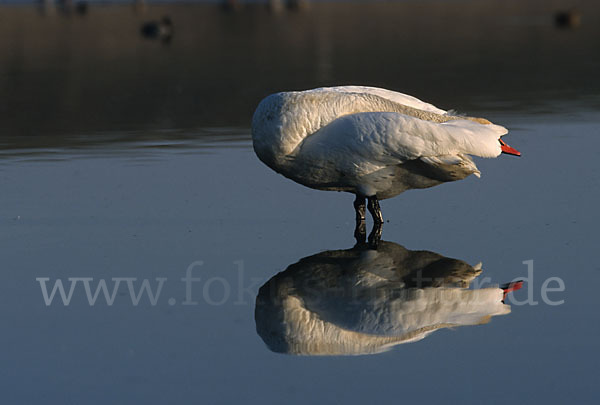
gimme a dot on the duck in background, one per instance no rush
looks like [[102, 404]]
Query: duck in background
[[567, 18], [162, 30]]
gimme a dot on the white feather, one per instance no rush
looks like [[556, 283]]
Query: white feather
[[394, 96]]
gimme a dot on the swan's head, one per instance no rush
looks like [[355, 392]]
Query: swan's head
[[501, 131], [273, 138]]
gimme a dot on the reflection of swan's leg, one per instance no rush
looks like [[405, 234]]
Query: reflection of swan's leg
[[375, 235], [375, 210], [360, 232], [359, 207]]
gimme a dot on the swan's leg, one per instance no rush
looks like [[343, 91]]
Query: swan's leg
[[375, 235], [359, 207], [360, 233], [375, 210]]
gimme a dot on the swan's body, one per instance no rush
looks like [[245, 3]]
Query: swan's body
[[371, 142]]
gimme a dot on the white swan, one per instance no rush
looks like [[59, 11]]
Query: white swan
[[371, 142]]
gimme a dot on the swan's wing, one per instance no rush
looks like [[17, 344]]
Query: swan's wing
[[446, 164], [369, 141], [394, 96]]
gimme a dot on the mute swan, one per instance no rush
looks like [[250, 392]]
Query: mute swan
[[371, 142], [362, 301]]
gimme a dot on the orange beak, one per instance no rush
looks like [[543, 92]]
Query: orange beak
[[507, 149]]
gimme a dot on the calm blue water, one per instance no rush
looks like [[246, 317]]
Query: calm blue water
[[148, 213]]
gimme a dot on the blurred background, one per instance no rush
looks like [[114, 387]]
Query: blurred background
[[71, 71]]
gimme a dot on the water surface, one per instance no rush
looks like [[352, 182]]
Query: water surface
[[92, 194]]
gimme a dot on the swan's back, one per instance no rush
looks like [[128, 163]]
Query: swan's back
[[394, 96], [284, 120]]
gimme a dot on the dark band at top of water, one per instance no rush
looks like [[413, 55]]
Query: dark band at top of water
[[67, 76]]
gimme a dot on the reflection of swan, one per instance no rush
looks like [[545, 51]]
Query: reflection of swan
[[361, 300], [371, 142]]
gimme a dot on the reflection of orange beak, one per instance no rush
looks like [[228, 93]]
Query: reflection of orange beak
[[510, 287], [507, 149]]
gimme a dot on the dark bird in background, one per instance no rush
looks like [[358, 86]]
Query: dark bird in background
[[297, 5], [231, 6], [162, 29], [567, 18], [81, 7], [64, 7]]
